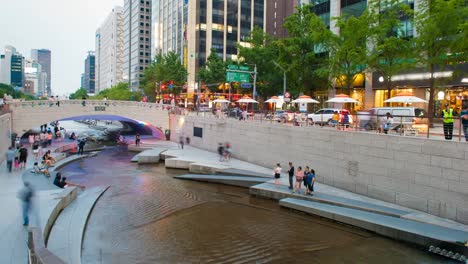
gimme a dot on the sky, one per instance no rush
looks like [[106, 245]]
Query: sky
[[66, 27]]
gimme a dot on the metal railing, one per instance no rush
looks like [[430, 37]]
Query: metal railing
[[402, 125]]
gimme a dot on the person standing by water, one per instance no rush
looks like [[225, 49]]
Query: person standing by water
[[291, 175], [81, 144], [464, 120], [181, 142], [221, 151], [299, 177], [310, 182], [277, 174], [23, 157], [10, 158]]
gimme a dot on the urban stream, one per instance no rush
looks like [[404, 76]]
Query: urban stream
[[147, 216]]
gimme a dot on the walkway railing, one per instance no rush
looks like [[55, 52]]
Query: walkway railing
[[408, 126], [84, 103]]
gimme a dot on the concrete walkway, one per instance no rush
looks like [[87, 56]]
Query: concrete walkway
[[13, 236]]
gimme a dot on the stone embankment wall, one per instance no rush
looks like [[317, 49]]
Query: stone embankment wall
[[5, 139], [427, 175]]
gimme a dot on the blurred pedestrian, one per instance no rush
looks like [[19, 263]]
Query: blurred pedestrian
[[464, 119], [277, 174], [291, 175], [81, 144], [221, 151], [181, 142], [227, 151], [10, 158], [26, 195], [311, 181], [35, 149], [137, 139]]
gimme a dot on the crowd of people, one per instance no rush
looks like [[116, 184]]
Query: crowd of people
[[297, 178]]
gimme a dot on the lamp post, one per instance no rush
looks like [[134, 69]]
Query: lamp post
[[284, 76]]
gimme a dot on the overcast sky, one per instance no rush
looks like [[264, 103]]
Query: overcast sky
[[66, 27]]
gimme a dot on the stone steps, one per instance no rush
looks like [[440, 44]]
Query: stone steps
[[66, 237], [422, 234], [242, 181]]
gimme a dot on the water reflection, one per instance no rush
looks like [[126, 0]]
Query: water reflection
[[149, 217]]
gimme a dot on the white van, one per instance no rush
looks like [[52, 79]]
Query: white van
[[405, 116]]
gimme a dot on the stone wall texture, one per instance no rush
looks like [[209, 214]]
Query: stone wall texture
[[5, 138], [427, 175]]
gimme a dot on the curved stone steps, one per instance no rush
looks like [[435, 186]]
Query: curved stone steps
[[66, 237]]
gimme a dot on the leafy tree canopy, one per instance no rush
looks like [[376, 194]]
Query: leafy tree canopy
[[119, 92], [79, 94]]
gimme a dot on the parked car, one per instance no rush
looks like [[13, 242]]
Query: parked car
[[324, 116], [402, 116]]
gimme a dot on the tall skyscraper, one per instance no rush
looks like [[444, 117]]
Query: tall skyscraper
[[137, 40], [276, 12], [110, 50], [90, 73], [219, 24], [43, 57], [17, 70], [169, 27], [5, 62], [35, 79]]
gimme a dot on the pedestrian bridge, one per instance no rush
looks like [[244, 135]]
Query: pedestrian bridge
[[31, 114]]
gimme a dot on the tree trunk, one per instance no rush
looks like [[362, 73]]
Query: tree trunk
[[389, 90], [431, 106]]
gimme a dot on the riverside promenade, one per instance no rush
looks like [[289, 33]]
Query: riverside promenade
[[435, 234], [13, 241]]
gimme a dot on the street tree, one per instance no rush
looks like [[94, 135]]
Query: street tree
[[440, 39], [164, 69], [214, 72], [262, 52], [348, 50], [119, 92], [390, 46], [79, 94], [302, 52]]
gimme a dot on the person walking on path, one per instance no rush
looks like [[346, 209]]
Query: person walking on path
[[227, 151], [277, 173], [81, 144], [464, 119], [26, 195], [23, 157], [221, 152], [299, 177], [35, 149], [291, 175], [448, 113], [181, 142], [137, 140], [10, 158]]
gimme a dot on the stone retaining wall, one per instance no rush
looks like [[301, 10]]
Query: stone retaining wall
[[423, 174]]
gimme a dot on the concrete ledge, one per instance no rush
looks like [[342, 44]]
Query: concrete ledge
[[65, 161], [37, 250], [134, 148], [241, 181], [422, 234], [150, 156], [176, 163], [205, 168], [67, 234], [51, 212]]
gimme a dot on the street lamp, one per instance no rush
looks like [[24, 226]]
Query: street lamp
[[284, 76]]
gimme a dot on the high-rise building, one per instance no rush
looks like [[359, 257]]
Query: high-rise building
[[110, 50], [222, 25], [5, 62], [90, 73], [43, 57], [276, 12], [137, 40], [35, 79], [17, 70], [169, 27]]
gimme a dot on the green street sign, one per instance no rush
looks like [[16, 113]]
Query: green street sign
[[233, 67], [244, 68], [237, 77]]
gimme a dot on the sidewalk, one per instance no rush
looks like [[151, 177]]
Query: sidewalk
[[13, 241]]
